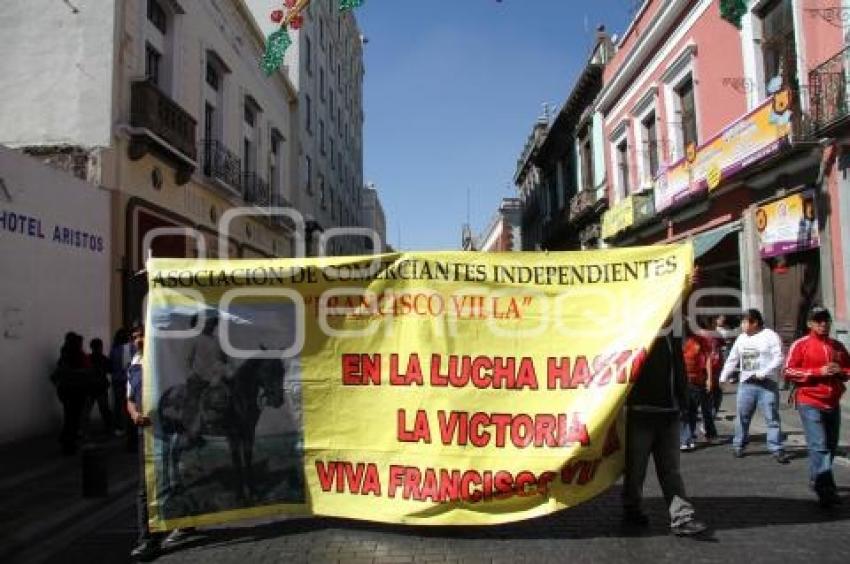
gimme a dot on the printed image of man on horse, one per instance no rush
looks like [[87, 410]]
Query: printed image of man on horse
[[211, 396]]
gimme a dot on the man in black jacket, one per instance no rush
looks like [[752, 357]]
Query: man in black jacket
[[652, 427]]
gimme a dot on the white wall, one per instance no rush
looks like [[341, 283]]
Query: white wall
[[47, 287], [56, 72]]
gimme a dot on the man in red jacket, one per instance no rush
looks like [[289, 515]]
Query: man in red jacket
[[818, 366]]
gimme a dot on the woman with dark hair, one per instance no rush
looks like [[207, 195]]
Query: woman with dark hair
[[71, 381]]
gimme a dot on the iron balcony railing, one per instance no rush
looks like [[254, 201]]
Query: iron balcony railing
[[828, 87], [153, 110], [255, 190], [221, 164]]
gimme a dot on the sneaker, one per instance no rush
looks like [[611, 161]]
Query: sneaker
[[635, 518], [178, 535], [687, 447], [689, 528], [146, 550], [780, 457], [738, 452]]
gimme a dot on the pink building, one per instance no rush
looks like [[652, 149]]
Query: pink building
[[730, 129]]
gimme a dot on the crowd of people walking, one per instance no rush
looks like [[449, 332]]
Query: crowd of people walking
[[83, 379]]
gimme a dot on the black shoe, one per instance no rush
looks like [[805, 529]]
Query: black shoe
[[146, 550], [635, 518], [738, 452], [780, 457], [689, 528], [829, 499]]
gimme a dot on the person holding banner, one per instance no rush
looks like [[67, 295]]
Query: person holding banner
[[757, 354], [149, 543], [818, 366], [653, 427]]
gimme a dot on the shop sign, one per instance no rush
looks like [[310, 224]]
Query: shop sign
[[788, 225], [626, 213], [759, 134], [619, 217]]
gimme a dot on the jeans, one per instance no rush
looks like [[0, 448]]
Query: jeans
[[765, 395], [821, 427], [657, 434], [698, 399], [142, 525]]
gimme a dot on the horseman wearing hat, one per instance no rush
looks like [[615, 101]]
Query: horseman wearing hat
[[208, 372]]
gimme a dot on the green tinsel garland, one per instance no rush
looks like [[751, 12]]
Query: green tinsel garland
[[276, 47], [279, 41], [732, 11], [349, 4]]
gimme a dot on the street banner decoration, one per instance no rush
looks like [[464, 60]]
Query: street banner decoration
[[757, 135], [445, 388], [788, 225]]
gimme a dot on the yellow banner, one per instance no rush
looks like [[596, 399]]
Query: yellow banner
[[755, 136], [423, 388]]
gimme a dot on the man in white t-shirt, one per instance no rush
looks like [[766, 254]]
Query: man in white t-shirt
[[757, 355]]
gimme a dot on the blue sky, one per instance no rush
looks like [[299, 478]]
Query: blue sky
[[452, 89]]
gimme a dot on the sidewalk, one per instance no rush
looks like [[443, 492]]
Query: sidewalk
[[42, 494], [792, 428]]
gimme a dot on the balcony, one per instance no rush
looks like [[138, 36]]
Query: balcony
[[160, 124], [585, 203], [255, 190], [828, 87], [222, 165]]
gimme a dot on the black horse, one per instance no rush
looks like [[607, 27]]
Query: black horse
[[229, 410]]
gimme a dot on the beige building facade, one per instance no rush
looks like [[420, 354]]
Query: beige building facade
[[163, 103]]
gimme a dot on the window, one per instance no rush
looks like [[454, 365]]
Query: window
[[250, 114], [322, 136], [209, 136], [153, 61], [275, 161], [308, 110], [156, 15], [586, 156], [213, 76], [322, 83], [331, 102], [322, 33], [322, 195], [650, 140], [308, 54], [209, 120], [331, 143], [687, 112], [308, 172], [778, 45], [622, 151]]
